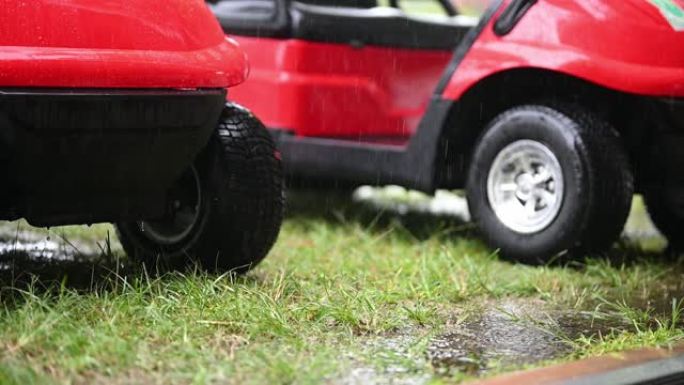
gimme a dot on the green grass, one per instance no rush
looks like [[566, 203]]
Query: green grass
[[339, 284]]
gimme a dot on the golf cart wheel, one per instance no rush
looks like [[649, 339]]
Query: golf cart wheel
[[544, 181], [666, 208], [225, 211]]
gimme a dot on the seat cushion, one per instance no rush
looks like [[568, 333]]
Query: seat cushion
[[378, 26], [250, 9], [266, 18], [343, 3]]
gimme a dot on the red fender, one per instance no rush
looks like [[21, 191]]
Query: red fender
[[626, 45]]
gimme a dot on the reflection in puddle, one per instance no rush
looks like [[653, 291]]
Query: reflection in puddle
[[39, 249], [495, 336], [512, 333], [371, 376], [501, 334], [29, 255], [400, 366], [19, 241]]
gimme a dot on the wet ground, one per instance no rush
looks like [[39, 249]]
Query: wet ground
[[28, 253], [499, 334], [508, 333], [20, 239], [61, 243], [513, 333]]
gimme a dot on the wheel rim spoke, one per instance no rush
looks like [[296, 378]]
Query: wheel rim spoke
[[545, 197], [530, 207], [508, 187], [543, 176]]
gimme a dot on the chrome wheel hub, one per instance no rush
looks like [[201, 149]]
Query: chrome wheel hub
[[525, 186]]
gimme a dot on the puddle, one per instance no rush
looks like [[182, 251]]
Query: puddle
[[46, 249], [43, 244], [400, 366], [29, 255], [371, 376], [42, 248], [512, 333]]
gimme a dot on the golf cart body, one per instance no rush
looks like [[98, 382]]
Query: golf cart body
[[329, 71], [372, 94], [103, 104], [550, 113]]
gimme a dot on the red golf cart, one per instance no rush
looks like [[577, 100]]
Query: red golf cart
[[551, 114], [116, 111]]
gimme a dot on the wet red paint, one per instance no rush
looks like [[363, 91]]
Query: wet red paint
[[337, 89], [340, 91], [622, 45], [115, 44]]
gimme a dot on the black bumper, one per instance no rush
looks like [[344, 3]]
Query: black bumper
[[90, 156]]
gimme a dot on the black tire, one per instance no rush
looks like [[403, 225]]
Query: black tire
[[598, 183], [665, 206], [241, 205]]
